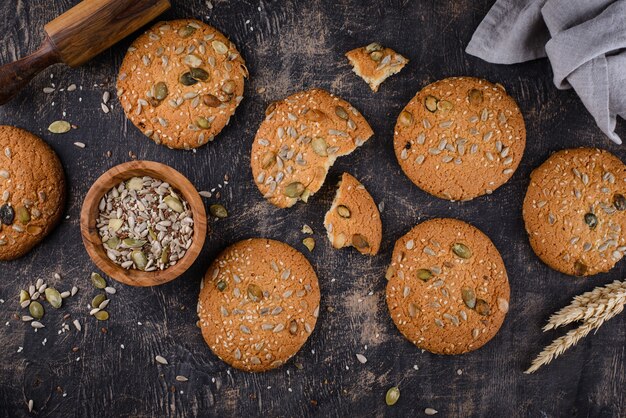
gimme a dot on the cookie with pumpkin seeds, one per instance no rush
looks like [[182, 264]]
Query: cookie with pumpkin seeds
[[259, 302], [299, 140], [353, 219], [460, 138], [575, 211], [447, 289], [180, 82], [375, 63], [32, 191]]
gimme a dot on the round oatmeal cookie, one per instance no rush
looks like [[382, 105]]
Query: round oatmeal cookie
[[448, 290], [259, 302], [32, 191], [575, 211], [180, 82], [460, 138], [353, 219], [299, 140]]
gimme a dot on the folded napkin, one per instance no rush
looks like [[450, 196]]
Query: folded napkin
[[584, 40]]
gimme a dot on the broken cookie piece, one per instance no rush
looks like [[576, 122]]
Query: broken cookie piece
[[299, 140], [375, 63], [353, 219]]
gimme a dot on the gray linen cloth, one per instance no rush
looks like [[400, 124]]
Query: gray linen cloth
[[585, 41]]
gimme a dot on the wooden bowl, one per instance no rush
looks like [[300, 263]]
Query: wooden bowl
[[90, 211]]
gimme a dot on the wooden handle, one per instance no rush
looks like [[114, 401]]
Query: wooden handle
[[92, 26], [17, 74]]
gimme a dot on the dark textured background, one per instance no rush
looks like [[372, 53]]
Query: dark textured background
[[291, 46]]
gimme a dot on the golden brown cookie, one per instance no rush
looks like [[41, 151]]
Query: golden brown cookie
[[32, 191], [180, 82], [300, 138], [375, 63], [353, 219], [259, 302], [448, 290], [575, 211], [460, 138]]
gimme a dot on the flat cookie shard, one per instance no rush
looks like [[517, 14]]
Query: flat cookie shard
[[180, 82], [32, 191], [375, 63], [575, 211], [448, 290], [353, 219], [460, 138], [259, 302], [299, 140]]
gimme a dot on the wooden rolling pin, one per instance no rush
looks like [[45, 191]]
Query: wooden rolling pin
[[78, 35]]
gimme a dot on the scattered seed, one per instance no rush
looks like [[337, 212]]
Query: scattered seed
[[218, 211], [101, 315], [98, 281], [393, 394], [430, 411], [54, 297], [37, 324], [362, 359], [36, 310], [161, 360], [97, 300], [309, 243], [180, 378]]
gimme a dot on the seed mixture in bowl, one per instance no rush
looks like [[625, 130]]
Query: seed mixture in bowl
[[144, 224]]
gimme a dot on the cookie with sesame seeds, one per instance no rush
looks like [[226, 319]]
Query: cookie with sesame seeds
[[375, 63], [447, 289], [575, 211], [180, 83], [299, 140], [460, 138], [32, 191], [259, 302], [353, 218]]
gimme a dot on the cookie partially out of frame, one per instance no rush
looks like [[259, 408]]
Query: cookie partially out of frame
[[460, 138], [375, 63], [32, 191], [299, 140], [180, 82], [448, 291], [354, 219], [575, 211], [259, 302]]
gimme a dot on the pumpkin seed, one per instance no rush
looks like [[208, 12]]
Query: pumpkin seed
[[165, 255], [159, 92], [199, 74], [580, 268], [341, 112], [7, 214], [469, 297], [174, 204], [98, 281], [115, 224], [22, 215], [343, 211], [294, 189], [218, 211], [113, 242], [210, 100], [36, 310], [219, 47], [59, 127], [254, 292], [591, 220], [192, 60], [393, 394], [101, 315], [444, 105], [619, 201], [374, 46], [221, 285], [187, 80], [268, 160], [53, 297], [376, 56], [24, 296], [139, 258], [135, 183], [229, 87], [482, 307], [309, 243], [133, 243], [293, 327], [203, 122], [97, 300], [461, 250], [405, 118], [424, 274], [186, 31], [431, 103], [359, 242], [34, 229], [319, 146], [475, 96]]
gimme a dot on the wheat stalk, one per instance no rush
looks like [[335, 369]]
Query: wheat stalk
[[593, 308]]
